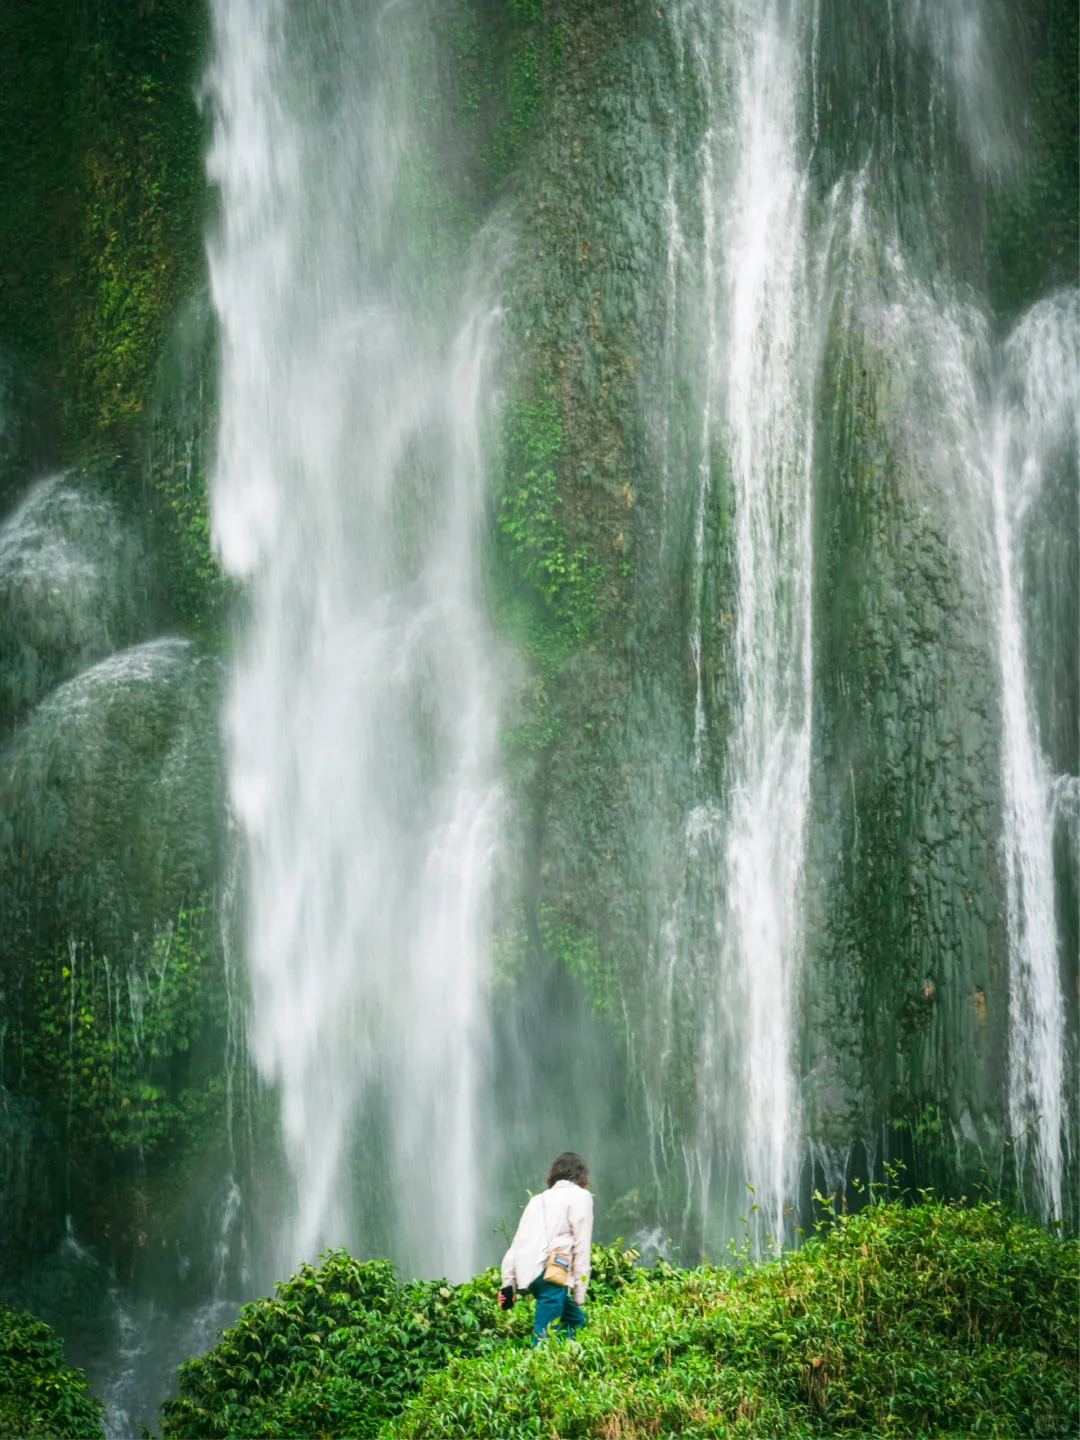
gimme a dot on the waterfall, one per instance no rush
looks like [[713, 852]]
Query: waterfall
[[803, 254], [770, 442], [1034, 427], [990, 429], [361, 722], [741, 248]]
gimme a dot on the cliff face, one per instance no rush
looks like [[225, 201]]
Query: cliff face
[[903, 1005], [112, 806], [611, 575]]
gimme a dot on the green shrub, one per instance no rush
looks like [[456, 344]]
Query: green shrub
[[341, 1347], [39, 1394], [902, 1321], [931, 1320], [334, 1352]]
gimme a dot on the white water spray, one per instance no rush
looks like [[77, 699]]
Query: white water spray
[[361, 723], [1035, 420], [755, 378], [770, 447]]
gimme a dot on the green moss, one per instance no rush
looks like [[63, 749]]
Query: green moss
[[577, 949], [101, 200], [522, 99], [555, 46], [198, 586], [128, 1053], [180, 446], [533, 539], [39, 1394], [39, 152]]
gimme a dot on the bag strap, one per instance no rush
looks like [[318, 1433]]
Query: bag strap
[[548, 1243], [543, 1207]]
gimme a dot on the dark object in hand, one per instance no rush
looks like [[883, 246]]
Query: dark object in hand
[[507, 1297]]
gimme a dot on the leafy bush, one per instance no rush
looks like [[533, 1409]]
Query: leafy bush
[[39, 1394], [114, 1046], [905, 1321], [341, 1347], [930, 1320]]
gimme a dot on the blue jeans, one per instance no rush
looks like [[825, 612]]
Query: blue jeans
[[554, 1303]]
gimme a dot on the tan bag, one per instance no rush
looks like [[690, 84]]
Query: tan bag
[[557, 1269]]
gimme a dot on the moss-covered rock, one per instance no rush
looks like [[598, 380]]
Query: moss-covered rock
[[906, 991], [111, 959], [102, 186], [74, 587]]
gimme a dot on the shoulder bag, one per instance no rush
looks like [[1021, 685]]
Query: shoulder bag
[[557, 1269]]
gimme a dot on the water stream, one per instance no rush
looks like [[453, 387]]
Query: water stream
[[350, 487], [770, 442], [822, 810], [741, 281], [1034, 438], [361, 723]]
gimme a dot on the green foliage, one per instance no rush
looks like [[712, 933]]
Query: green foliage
[[578, 950], [39, 1394], [532, 532], [921, 1321], [100, 198], [341, 1347], [115, 1047], [336, 1351], [913, 1321]]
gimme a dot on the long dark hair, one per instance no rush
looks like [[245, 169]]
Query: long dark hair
[[569, 1166]]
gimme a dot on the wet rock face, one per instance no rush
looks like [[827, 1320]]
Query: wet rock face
[[907, 989], [111, 796], [73, 588], [111, 815], [903, 1007], [31, 1202]]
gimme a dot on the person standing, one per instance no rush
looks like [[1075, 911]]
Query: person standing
[[549, 1254]]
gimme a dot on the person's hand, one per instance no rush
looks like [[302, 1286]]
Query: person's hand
[[507, 1297]]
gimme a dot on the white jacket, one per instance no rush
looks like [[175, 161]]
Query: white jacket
[[556, 1219]]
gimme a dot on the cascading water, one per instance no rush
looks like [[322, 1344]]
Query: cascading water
[[770, 441], [1034, 429], [737, 242], [797, 471], [797, 253], [982, 427], [361, 724]]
